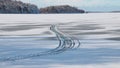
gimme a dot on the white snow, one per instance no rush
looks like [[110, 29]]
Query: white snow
[[99, 34]]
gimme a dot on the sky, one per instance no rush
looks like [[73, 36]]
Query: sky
[[89, 5]]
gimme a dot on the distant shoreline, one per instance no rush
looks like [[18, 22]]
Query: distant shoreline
[[18, 7]]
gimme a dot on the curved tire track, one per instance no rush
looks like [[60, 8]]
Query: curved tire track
[[65, 43]]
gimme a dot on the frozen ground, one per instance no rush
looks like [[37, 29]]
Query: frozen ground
[[99, 34]]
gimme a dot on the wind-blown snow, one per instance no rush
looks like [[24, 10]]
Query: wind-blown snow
[[99, 34]]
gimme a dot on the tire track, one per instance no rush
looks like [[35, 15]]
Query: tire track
[[65, 43]]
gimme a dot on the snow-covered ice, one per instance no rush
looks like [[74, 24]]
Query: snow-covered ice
[[99, 34]]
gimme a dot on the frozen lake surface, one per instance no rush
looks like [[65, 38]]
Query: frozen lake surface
[[52, 40]]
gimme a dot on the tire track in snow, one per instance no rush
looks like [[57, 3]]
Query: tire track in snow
[[65, 43]]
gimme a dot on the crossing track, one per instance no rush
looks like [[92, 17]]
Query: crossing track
[[65, 43]]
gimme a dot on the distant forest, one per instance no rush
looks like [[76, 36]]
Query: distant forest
[[18, 7]]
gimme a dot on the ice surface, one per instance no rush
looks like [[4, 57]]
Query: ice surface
[[99, 34]]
